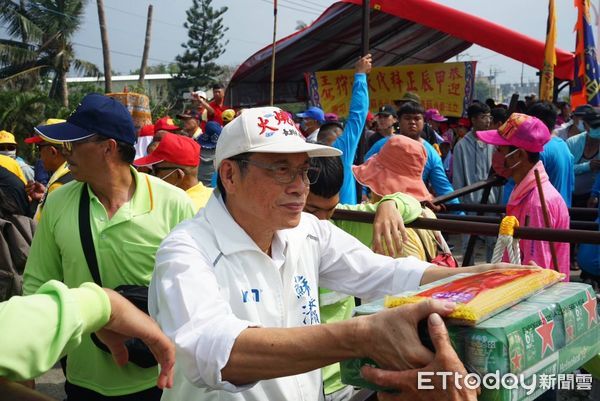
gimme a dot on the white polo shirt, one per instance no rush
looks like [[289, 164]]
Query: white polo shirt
[[211, 282]]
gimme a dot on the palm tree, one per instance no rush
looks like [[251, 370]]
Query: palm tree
[[40, 44]]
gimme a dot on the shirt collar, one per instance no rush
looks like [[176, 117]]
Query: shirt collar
[[141, 202], [229, 235]]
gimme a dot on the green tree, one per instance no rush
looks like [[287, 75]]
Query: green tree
[[171, 68], [40, 44], [205, 44], [483, 90]]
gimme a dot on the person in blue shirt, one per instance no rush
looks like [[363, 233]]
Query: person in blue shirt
[[588, 255], [347, 142], [411, 122], [584, 148]]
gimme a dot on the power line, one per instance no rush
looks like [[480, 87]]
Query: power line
[[303, 6], [122, 53], [314, 3], [292, 8], [143, 17], [175, 25], [310, 8]]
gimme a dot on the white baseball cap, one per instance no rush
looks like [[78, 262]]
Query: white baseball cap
[[266, 130], [200, 94]]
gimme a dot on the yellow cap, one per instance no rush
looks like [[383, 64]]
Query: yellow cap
[[228, 115], [7, 137], [508, 225], [52, 121]]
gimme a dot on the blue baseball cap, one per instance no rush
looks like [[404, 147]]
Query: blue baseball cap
[[212, 131], [96, 114], [313, 112]]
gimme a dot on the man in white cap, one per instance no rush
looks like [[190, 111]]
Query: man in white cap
[[236, 287]]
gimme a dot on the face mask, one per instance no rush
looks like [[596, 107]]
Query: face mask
[[10, 153], [166, 176], [580, 126], [594, 133], [499, 164]]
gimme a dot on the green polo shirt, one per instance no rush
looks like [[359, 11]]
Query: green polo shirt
[[334, 306], [125, 248]]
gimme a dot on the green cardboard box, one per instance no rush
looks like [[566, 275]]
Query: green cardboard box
[[553, 332]]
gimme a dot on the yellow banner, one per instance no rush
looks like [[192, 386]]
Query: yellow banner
[[447, 87], [547, 84]]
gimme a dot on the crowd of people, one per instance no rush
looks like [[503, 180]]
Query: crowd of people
[[223, 223]]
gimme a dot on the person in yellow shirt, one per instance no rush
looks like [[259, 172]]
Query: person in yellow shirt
[[54, 162], [8, 147], [175, 161], [13, 166]]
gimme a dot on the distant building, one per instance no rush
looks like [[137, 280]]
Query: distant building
[[507, 90]]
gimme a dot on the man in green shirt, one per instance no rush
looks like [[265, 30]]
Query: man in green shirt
[[130, 213]]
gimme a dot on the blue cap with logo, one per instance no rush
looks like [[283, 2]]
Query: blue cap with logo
[[313, 112], [96, 114]]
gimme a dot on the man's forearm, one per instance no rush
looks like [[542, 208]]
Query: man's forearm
[[266, 353], [210, 112], [435, 273]]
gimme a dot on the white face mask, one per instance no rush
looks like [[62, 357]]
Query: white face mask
[[514, 165], [10, 153]]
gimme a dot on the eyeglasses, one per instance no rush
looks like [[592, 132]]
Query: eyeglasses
[[68, 146], [9, 147], [284, 174]]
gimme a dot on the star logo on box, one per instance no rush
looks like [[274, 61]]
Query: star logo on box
[[545, 333], [590, 308], [570, 332], [516, 360]]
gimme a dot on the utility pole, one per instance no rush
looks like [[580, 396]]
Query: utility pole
[[272, 98], [146, 47], [105, 49]]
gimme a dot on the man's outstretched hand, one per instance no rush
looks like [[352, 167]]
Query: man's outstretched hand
[[127, 321], [445, 360]]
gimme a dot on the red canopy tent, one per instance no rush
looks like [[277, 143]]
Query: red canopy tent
[[401, 32]]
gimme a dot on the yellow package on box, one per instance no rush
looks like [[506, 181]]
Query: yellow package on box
[[482, 295]]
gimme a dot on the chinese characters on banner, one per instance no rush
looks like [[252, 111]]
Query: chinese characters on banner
[[447, 87]]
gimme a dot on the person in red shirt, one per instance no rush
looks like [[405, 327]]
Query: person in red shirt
[[216, 107]]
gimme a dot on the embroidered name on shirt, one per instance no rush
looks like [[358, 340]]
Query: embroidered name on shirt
[[251, 295], [309, 309]]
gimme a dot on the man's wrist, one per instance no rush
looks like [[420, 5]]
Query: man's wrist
[[360, 335]]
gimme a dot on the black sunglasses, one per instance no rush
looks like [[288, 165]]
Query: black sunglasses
[[4, 147]]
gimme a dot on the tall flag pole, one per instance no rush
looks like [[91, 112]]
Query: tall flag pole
[[585, 87], [272, 99], [547, 83]]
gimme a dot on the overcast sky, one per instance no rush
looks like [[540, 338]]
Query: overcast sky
[[250, 25]]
